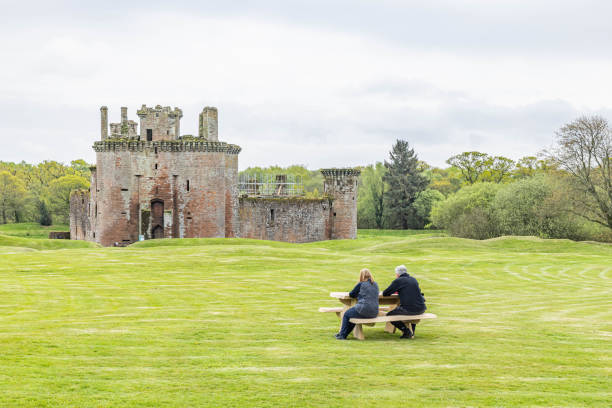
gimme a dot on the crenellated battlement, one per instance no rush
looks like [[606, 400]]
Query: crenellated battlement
[[158, 109], [344, 172], [114, 145]]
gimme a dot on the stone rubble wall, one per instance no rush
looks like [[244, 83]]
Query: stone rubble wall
[[284, 219], [80, 227]]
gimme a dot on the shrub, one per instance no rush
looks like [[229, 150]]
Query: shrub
[[535, 206], [468, 212]]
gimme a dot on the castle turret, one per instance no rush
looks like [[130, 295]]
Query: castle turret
[[124, 129], [104, 122], [209, 124], [159, 123], [341, 186]]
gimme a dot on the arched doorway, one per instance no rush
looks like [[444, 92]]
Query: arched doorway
[[157, 219], [158, 232]]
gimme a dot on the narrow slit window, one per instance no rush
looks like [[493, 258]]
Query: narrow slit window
[[155, 149], [187, 185], [272, 214], [155, 166], [149, 135]]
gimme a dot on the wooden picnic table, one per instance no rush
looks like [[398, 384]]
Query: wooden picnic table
[[392, 302], [348, 302]]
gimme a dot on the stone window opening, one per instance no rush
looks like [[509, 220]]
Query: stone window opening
[[187, 185], [124, 189], [155, 149], [272, 214], [155, 166], [334, 214], [149, 135], [167, 132]]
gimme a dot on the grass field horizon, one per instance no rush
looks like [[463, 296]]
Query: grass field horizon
[[234, 322]]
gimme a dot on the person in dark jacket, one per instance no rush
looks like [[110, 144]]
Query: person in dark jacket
[[412, 301], [366, 293]]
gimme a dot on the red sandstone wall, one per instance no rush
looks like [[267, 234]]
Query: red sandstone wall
[[341, 186], [80, 227], [129, 180]]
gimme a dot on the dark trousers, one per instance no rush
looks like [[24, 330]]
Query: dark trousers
[[401, 311], [347, 326]]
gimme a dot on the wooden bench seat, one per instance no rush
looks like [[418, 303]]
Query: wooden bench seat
[[338, 310], [358, 333]]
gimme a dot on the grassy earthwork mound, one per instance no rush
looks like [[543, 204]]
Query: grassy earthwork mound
[[234, 323]]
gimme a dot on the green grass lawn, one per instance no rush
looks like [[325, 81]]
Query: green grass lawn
[[234, 323], [30, 230]]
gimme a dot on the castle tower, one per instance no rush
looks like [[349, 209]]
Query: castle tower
[[159, 123], [341, 186], [208, 127], [104, 122], [157, 187]]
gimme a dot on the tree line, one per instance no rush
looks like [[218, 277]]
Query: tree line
[[565, 192], [40, 193]]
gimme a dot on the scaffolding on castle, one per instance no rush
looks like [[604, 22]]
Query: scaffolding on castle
[[268, 185]]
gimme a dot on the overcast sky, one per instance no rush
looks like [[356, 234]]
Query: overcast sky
[[324, 83]]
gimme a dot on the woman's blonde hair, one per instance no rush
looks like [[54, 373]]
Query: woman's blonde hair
[[366, 275]]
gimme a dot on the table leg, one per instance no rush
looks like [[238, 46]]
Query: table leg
[[389, 327]]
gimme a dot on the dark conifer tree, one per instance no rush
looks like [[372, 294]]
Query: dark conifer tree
[[44, 214], [405, 182]]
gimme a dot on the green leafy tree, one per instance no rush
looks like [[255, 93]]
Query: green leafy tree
[[81, 168], [405, 182], [498, 169], [12, 195], [446, 181], [59, 194], [526, 167], [471, 164], [370, 203], [529, 166], [424, 204]]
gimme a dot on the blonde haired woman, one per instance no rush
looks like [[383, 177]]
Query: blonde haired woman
[[366, 293]]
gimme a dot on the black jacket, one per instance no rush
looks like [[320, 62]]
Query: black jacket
[[409, 293]]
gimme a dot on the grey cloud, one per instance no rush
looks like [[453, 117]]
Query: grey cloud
[[543, 28]]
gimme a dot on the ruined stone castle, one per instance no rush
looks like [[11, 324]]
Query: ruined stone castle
[[158, 184]]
